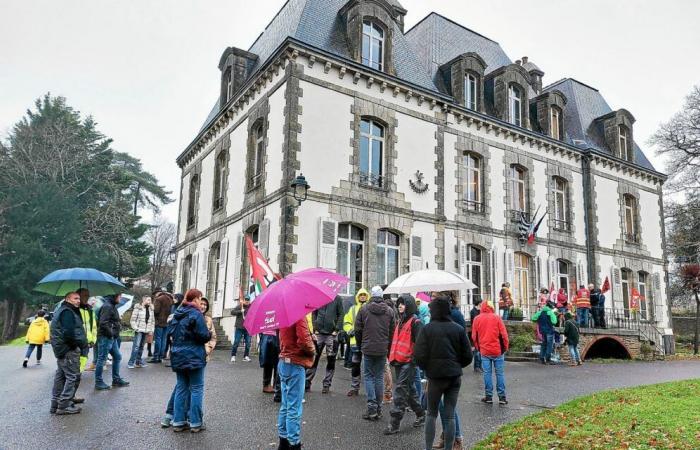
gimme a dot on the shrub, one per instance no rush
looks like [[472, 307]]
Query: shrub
[[522, 342], [516, 314]]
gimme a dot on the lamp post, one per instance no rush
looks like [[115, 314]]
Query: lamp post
[[300, 188]]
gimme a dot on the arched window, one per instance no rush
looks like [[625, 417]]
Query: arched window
[[213, 272], [219, 181], [560, 192], [563, 276], [186, 270], [515, 110], [371, 152], [372, 45], [258, 152], [521, 281], [472, 196], [193, 199], [470, 91], [625, 143], [630, 212], [555, 123], [388, 251], [518, 179], [351, 241], [626, 293], [474, 271]]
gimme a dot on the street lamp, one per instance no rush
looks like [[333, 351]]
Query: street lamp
[[300, 189]]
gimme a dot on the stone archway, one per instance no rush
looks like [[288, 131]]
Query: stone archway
[[606, 346]]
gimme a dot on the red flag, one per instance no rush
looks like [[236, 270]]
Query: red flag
[[261, 275], [606, 286], [533, 231]]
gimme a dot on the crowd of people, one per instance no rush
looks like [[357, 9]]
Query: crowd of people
[[408, 353]]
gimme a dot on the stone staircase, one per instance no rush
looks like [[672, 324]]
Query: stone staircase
[[522, 357], [223, 341]]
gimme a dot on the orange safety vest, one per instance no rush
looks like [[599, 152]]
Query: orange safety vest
[[583, 298], [402, 346]]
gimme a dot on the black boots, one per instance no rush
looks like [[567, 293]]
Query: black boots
[[284, 444]]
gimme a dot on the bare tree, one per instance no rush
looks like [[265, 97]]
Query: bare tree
[[162, 238]]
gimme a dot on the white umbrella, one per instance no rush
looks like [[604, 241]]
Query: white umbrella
[[428, 280]]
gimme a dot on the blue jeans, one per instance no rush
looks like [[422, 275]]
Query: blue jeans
[[477, 361], [189, 397], [137, 349], [159, 341], [546, 347], [505, 313], [292, 379], [443, 420], [582, 317], [498, 363], [30, 349], [241, 333], [374, 381], [107, 346], [573, 351]]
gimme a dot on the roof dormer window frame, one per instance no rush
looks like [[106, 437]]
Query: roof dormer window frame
[[515, 105], [471, 83], [373, 41]]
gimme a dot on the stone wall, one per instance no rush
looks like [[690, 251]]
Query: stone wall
[[683, 326]]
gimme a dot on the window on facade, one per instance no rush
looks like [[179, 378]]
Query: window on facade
[[563, 272], [192, 202], [387, 256], [643, 283], [470, 91], [258, 153], [555, 123], [521, 291], [515, 114], [625, 143], [630, 208], [371, 152], [474, 272], [472, 195], [518, 188], [219, 181], [213, 272], [561, 208], [351, 239], [626, 294], [229, 84], [372, 45], [186, 270]]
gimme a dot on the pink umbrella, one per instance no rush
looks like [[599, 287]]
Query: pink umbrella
[[286, 301], [424, 297]]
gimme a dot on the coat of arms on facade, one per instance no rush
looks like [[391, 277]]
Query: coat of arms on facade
[[418, 186]]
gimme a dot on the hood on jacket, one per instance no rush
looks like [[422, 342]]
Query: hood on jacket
[[377, 291], [440, 309], [377, 306], [183, 309], [487, 307], [111, 299], [411, 307], [362, 291]]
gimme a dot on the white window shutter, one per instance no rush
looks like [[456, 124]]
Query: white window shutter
[[616, 284], [416, 253], [264, 238], [240, 248], [582, 278], [658, 297], [552, 272], [327, 243], [205, 270], [497, 272], [510, 266], [221, 278], [542, 268], [194, 270]]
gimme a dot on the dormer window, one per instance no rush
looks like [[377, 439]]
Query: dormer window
[[515, 110], [555, 123], [625, 143], [470, 91], [372, 45], [229, 84]]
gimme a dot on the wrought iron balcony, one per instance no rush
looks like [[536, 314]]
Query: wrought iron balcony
[[372, 179], [561, 225], [471, 205]]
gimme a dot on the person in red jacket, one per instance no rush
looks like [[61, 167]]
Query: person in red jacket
[[491, 341], [297, 353], [583, 305]]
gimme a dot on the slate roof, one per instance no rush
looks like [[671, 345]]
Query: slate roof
[[585, 104]]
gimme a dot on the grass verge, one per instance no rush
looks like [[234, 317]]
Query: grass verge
[[660, 416]]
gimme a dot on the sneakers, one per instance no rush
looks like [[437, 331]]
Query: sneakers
[[183, 427], [487, 399], [78, 400], [233, 359], [102, 386], [371, 416], [38, 363], [353, 392], [166, 421], [268, 390], [120, 382], [141, 366], [441, 442], [457, 445], [197, 429], [419, 422], [502, 401], [391, 430], [153, 361], [325, 390], [246, 358], [67, 411], [24, 364], [129, 366]]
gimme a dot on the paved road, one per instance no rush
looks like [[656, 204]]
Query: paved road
[[239, 416]]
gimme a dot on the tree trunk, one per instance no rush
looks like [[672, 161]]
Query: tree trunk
[[697, 323], [12, 317]]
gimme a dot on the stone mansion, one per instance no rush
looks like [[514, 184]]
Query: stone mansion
[[422, 148]]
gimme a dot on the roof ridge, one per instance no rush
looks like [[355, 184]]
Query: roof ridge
[[562, 80], [433, 13]]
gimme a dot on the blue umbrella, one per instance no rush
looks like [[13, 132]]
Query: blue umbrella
[[61, 282]]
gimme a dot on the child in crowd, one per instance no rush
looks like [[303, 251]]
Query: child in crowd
[[37, 336]]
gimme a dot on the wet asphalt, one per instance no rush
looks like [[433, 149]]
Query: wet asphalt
[[240, 416]]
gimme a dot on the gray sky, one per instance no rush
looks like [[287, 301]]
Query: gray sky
[[147, 70]]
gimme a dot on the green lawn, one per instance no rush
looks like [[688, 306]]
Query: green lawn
[[661, 416], [17, 342]]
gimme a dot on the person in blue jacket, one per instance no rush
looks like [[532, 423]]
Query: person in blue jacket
[[189, 332]]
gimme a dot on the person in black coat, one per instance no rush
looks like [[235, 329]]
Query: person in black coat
[[442, 350], [327, 323], [108, 342], [472, 315]]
